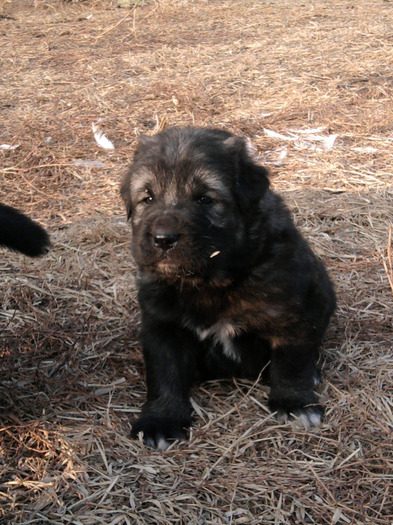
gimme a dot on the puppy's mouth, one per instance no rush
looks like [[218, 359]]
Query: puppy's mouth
[[168, 266], [174, 266], [173, 271], [201, 274]]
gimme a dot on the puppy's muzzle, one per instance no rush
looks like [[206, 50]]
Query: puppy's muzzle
[[165, 233]]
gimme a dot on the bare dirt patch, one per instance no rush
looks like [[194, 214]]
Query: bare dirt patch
[[71, 367]]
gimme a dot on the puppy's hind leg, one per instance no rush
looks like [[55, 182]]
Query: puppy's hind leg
[[293, 375]]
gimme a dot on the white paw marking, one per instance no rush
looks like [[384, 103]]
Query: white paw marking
[[316, 378], [163, 444], [307, 418], [304, 418], [149, 442], [160, 444]]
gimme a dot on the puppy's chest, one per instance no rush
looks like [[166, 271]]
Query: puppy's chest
[[222, 333], [225, 325]]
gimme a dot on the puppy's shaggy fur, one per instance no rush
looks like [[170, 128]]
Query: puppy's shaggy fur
[[227, 285], [21, 234]]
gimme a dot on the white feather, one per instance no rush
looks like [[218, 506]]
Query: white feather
[[275, 135], [281, 156], [7, 146], [366, 149], [306, 140], [100, 138], [329, 141], [308, 131]]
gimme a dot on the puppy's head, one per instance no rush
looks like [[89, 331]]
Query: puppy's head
[[191, 194]]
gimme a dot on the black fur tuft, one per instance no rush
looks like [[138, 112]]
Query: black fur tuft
[[19, 233]]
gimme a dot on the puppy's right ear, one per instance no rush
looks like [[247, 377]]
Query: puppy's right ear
[[145, 141], [125, 192]]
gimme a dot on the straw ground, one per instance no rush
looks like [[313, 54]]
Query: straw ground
[[71, 367]]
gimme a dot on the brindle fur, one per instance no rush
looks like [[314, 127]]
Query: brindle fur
[[227, 284]]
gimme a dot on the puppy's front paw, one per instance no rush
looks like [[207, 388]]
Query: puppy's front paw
[[302, 418], [160, 431]]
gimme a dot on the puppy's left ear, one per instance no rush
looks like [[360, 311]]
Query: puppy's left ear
[[251, 180], [125, 192]]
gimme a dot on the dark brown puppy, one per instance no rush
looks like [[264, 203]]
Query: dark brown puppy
[[227, 284], [21, 234]]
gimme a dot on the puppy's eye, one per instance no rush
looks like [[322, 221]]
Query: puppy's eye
[[148, 199], [205, 200]]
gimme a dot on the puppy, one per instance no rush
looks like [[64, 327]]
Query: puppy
[[21, 234], [227, 284]]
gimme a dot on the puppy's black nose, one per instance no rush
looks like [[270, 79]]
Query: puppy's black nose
[[165, 239]]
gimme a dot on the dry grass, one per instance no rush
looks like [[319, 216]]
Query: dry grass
[[71, 368]]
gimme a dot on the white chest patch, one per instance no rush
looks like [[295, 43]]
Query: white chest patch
[[222, 333]]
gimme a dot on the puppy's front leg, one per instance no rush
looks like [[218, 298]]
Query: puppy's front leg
[[170, 371], [293, 375]]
